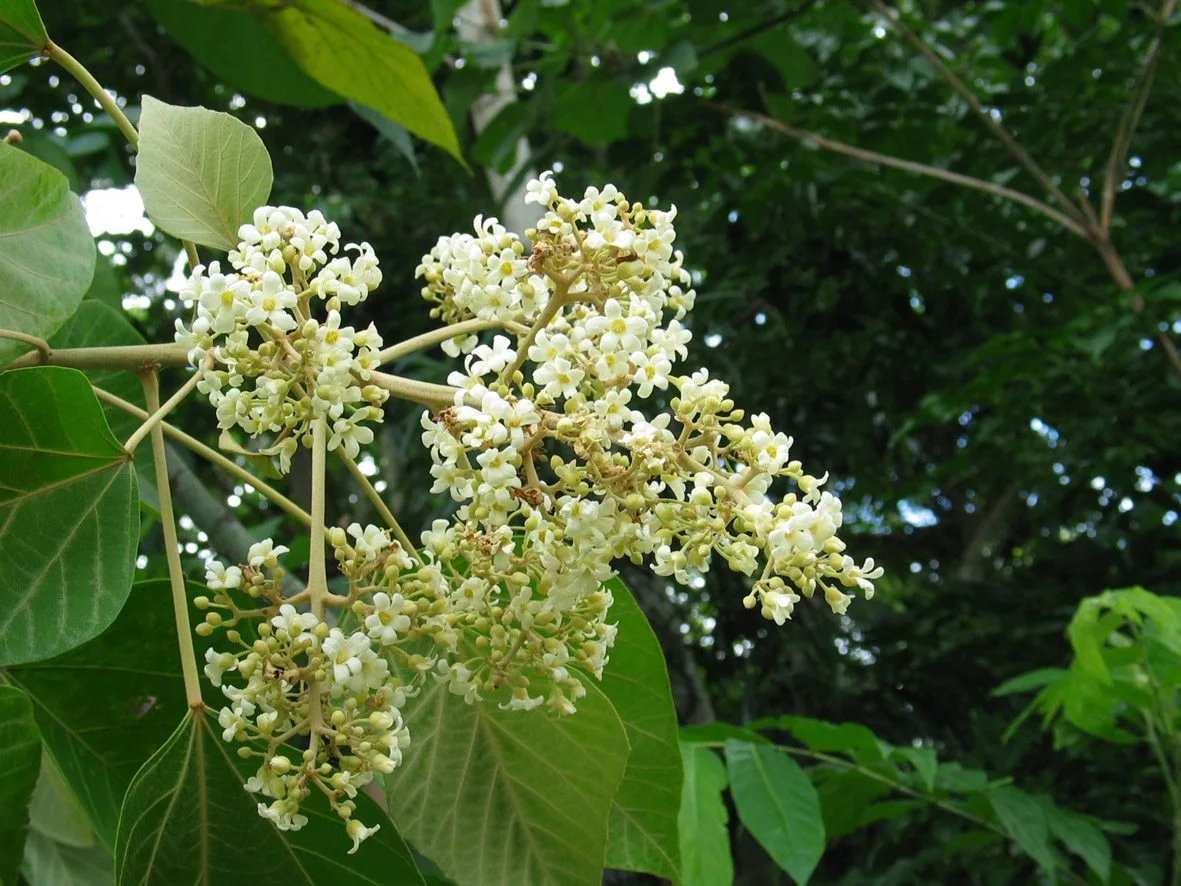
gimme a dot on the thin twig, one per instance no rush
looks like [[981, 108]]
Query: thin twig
[[212, 455], [150, 422], [1018, 152], [1123, 280], [1130, 119], [756, 29], [967, 181]]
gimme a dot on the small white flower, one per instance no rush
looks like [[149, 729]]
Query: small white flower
[[293, 621], [542, 189], [221, 577], [358, 833], [558, 378], [485, 360], [217, 663], [369, 541], [388, 620], [265, 553]]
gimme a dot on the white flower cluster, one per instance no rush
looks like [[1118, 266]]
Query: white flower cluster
[[551, 455], [571, 443], [299, 676], [270, 366]]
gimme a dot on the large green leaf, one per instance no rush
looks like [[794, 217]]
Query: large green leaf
[[46, 251], [20, 762], [201, 173], [642, 834], [1081, 836], [50, 863], [705, 839], [22, 33], [342, 50], [55, 811], [924, 761], [187, 819], [69, 515], [239, 50], [62, 849], [1025, 822], [106, 287], [847, 798], [778, 805], [509, 797], [97, 325], [107, 706]]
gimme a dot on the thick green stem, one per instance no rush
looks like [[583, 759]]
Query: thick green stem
[[436, 337], [40, 344], [176, 577], [78, 71], [83, 76], [156, 417], [136, 358], [431, 395], [317, 568], [213, 456]]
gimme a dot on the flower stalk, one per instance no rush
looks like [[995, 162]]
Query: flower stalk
[[176, 577]]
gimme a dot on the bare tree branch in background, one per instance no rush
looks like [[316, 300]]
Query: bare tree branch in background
[[226, 533]]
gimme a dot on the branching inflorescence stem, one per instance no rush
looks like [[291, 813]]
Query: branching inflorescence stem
[[176, 576], [317, 568]]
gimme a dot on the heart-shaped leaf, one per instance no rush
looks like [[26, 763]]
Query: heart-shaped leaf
[[643, 822], [107, 706], [186, 818], [509, 797], [46, 251], [22, 33], [69, 515], [20, 762], [201, 173]]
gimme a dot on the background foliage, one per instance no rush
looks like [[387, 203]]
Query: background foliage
[[997, 414]]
